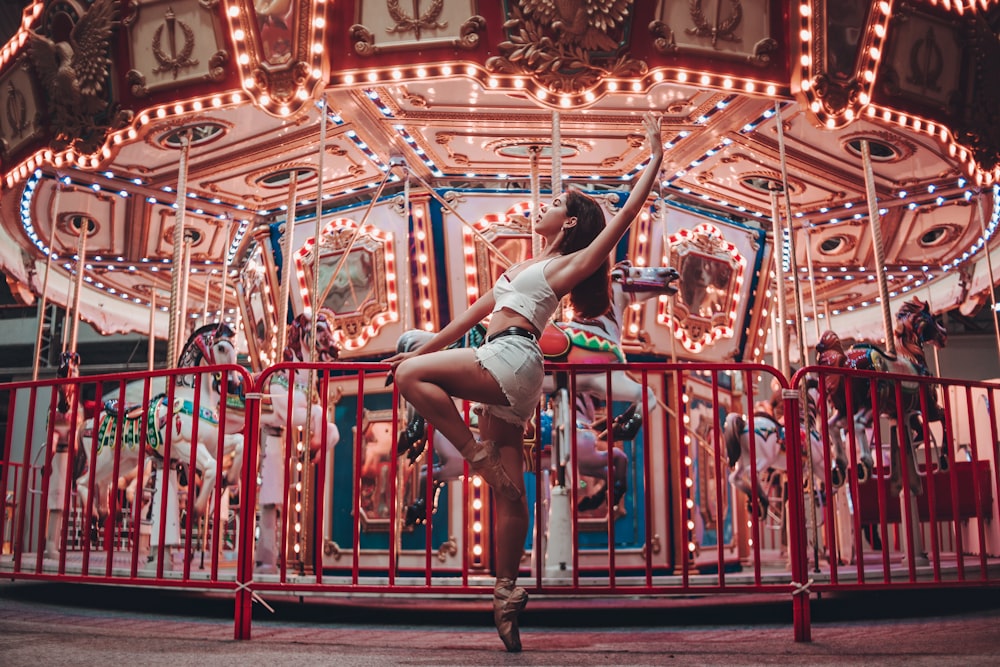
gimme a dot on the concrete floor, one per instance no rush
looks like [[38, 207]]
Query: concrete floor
[[45, 624]]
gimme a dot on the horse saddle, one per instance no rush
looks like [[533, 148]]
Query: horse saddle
[[113, 408], [131, 418], [561, 341]]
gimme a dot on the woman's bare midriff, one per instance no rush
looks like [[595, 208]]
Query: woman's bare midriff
[[506, 318]]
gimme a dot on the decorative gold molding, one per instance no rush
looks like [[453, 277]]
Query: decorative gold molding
[[724, 29], [173, 61], [763, 52], [566, 54], [448, 549], [664, 41], [468, 35]]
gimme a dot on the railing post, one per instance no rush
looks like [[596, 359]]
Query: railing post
[[243, 615], [797, 528]]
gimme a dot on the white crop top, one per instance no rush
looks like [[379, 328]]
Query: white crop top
[[528, 294]]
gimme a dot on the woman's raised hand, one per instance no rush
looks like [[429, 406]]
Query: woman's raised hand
[[654, 132]]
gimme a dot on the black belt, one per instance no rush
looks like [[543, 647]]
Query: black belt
[[511, 331]]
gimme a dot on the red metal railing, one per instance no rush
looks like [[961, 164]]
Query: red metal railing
[[321, 478]]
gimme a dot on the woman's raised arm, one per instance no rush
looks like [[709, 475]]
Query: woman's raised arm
[[587, 260]]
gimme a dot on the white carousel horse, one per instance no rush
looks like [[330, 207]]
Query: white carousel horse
[[65, 421], [583, 341], [290, 409], [915, 326], [768, 454], [210, 345]]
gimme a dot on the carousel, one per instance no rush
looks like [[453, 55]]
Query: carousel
[[287, 191]]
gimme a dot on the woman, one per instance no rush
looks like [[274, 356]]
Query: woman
[[505, 374]]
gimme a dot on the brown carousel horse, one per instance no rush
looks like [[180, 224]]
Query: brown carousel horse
[[915, 327]]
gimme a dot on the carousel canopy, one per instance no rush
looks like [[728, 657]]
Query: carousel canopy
[[124, 120]]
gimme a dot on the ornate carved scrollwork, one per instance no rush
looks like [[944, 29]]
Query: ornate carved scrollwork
[[469, 32], [836, 96], [217, 66], [364, 40], [137, 83], [448, 549], [763, 51], [331, 548], [665, 41]]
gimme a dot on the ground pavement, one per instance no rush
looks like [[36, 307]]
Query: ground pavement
[[44, 624]]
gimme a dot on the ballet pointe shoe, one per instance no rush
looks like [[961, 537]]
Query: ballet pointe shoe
[[484, 459], [508, 602]]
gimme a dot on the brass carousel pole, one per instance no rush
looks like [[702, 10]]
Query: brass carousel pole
[[185, 282], [993, 295], [875, 223], [812, 287], [796, 286], [557, 177], [43, 297], [293, 550], [779, 280], [176, 317], [286, 263], [225, 272], [81, 252], [907, 501], [308, 537], [536, 197], [151, 351], [800, 337]]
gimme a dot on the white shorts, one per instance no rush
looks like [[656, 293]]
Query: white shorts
[[515, 362]]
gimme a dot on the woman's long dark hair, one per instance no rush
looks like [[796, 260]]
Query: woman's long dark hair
[[592, 296]]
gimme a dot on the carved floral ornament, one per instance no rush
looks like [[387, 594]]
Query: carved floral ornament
[[567, 47]]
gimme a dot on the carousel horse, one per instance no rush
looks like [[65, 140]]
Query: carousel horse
[[290, 408], [915, 326], [66, 421], [769, 453], [297, 411], [598, 341], [209, 345], [577, 341]]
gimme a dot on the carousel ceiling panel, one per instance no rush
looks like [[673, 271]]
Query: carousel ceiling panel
[[173, 44], [22, 117], [733, 28]]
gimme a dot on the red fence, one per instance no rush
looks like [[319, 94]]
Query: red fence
[[309, 493]]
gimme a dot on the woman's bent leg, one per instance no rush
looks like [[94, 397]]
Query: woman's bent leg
[[429, 382]]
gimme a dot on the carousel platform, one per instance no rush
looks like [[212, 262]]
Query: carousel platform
[[774, 571], [51, 623]]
